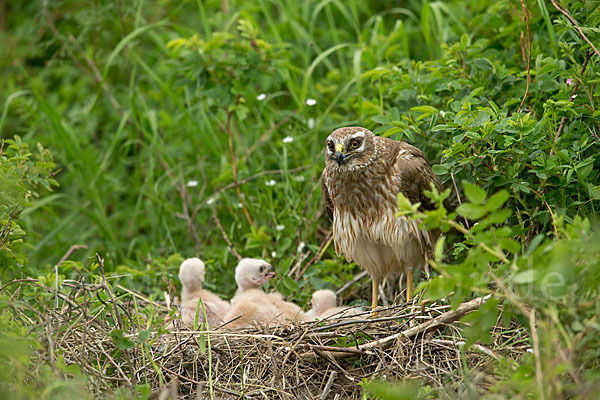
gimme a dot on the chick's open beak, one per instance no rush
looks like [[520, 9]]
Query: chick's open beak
[[340, 156], [270, 272]]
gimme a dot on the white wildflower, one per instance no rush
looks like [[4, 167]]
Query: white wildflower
[[280, 227], [288, 139], [311, 102], [239, 205], [299, 178], [210, 201], [271, 182], [311, 123], [530, 350], [192, 183], [273, 254], [301, 247], [261, 97]]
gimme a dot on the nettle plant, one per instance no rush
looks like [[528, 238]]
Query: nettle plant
[[548, 284]]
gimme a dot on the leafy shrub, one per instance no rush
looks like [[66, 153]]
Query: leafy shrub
[[21, 173], [547, 286]]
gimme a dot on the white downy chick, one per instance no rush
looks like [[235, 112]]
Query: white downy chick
[[250, 303], [288, 311], [324, 306], [252, 273], [191, 275]]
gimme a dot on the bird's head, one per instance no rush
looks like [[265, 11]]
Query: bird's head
[[323, 300], [252, 273], [350, 148], [191, 273]]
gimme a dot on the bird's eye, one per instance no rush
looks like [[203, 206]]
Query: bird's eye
[[262, 269], [355, 144], [330, 145]]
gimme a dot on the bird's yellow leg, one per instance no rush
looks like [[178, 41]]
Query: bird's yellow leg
[[374, 295], [409, 285]]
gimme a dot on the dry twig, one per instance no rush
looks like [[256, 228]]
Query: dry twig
[[232, 157], [435, 323], [224, 234], [563, 120], [71, 250], [526, 16], [583, 36], [7, 227], [183, 195], [116, 311]]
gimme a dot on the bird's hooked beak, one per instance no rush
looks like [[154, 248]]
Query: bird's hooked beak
[[340, 156], [270, 272]]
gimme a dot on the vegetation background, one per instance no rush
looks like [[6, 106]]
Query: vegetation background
[[148, 132]]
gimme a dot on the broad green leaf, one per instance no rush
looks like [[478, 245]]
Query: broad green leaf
[[471, 211], [405, 207], [440, 169], [439, 287], [381, 119], [439, 248], [287, 286], [424, 109], [535, 242], [376, 73], [497, 200], [525, 277], [474, 193], [480, 119], [510, 245], [464, 40], [482, 322], [485, 64], [144, 335], [500, 216], [394, 131], [121, 341], [401, 390]]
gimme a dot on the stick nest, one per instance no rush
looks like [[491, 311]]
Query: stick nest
[[120, 340]]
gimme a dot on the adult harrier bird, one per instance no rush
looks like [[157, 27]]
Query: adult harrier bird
[[362, 178]]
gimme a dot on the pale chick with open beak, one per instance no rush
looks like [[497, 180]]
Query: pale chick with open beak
[[324, 306], [191, 275], [251, 304]]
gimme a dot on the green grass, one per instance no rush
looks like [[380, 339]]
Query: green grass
[[109, 138]]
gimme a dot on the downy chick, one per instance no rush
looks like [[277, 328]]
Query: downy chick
[[324, 306], [191, 275], [250, 303]]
